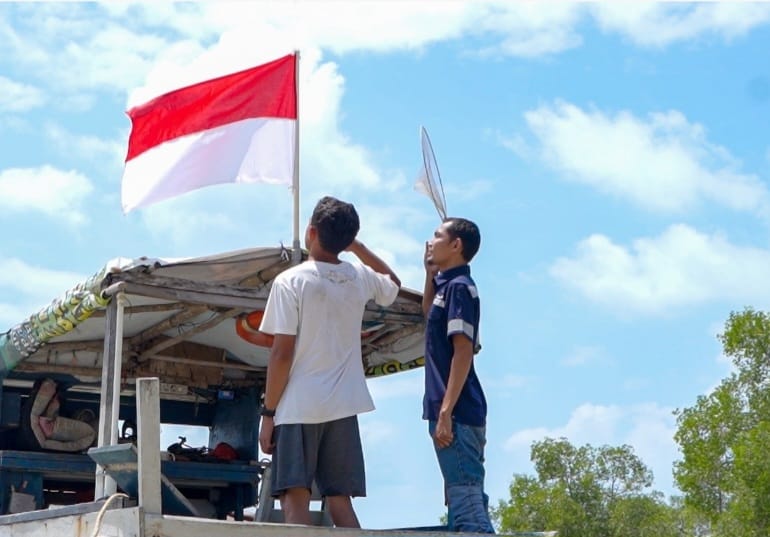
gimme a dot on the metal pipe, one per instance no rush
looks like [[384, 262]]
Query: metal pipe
[[296, 257], [114, 289]]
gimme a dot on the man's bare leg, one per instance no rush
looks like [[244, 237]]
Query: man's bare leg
[[295, 503], [342, 513]]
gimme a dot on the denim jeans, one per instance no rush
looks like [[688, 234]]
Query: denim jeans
[[462, 466]]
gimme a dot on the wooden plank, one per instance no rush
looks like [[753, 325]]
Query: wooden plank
[[78, 466], [265, 275], [172, 526], [116, 522], [218, 319], [36, 367], [121, 462], [194, 292], [200, 363], [129, 373], [391, 336], [410, 295], [70, 346], [145, 308], [108, 421], [205, 474], [393, 317], [60, 511], [148, 417], [132, 522], [189, 312]]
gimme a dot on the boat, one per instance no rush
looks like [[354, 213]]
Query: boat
[[152, 341]]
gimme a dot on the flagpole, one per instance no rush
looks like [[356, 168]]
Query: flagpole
[[297, 251]]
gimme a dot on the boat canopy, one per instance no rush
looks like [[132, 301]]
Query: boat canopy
[[179, 324]]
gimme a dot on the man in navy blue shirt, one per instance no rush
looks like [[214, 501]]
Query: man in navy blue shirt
[[454, 403]]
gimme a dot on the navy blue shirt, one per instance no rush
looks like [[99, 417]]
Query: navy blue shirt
[[455, 310]]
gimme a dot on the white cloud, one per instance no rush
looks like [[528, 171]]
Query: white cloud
[[381, 26], [468, 190], [329, 160], [25, 289], [509, 385], [520, 29], [517, 144], [528, 29], [117, 44], [662, 163], [635, 384], [112, 57], [329, 157], [585, 355], [681, 267], [393, 242], [657, 24], [34, 281], [511, 381], [185, 221], [13, 314], [377, 26], [56, 193], [396, 386], [588, 423], [72, 48], [377, 432], [87, 147], [17, 97], [648, 428]]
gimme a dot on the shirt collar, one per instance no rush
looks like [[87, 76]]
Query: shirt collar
[[442, 277]]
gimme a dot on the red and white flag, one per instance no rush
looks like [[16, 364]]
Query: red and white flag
[[239, 128]]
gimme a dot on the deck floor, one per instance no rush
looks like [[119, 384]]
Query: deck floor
[[133, 522]]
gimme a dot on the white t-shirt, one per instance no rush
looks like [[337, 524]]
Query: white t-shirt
[[323, 305]]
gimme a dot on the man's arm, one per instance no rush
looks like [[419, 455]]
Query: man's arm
[[458, 374], [429, 292], [281, 358], [371, 260]]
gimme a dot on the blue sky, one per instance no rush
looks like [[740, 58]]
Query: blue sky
[[614, 156]]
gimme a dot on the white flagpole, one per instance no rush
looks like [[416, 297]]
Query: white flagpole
[[297, 251]]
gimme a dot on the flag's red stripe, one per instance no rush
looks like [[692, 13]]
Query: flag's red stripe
[[267, 90]]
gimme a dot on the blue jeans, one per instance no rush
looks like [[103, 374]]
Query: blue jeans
[[462, 466]]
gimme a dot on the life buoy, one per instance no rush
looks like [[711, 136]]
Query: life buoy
[[247, 327]]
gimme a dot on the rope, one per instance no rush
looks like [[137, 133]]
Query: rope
[[103, 510]]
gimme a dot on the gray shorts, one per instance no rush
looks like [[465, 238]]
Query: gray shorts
[[329, 453]]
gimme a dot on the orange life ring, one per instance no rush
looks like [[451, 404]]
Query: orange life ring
[[247, 327]]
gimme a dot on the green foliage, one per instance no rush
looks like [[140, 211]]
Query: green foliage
[[643, 516], [725, 437], [588, 491]]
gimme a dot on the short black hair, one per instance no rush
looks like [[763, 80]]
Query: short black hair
[[337, 223], [466, 231]]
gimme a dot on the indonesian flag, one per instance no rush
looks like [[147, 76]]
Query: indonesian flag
[[239, 128]]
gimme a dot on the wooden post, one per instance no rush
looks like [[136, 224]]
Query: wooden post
[[109, 400], [148, 417]]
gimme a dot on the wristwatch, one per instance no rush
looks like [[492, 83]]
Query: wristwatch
[[267, 412]]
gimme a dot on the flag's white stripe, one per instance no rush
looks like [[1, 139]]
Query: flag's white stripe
[[257, 150]]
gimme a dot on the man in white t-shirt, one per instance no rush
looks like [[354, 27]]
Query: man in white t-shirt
[[315, 378]]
